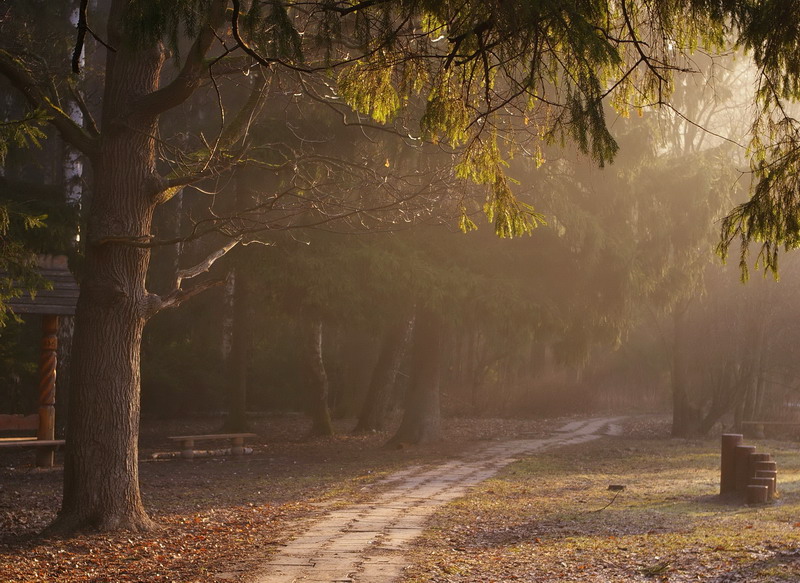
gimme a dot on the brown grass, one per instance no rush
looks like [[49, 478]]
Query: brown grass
[[551, 518]]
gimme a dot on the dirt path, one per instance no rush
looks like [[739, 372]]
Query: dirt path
[[366, 542]]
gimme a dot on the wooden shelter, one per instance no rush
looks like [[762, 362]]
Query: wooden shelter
[[50, 304]]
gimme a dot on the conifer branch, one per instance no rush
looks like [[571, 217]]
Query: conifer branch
[[356, 7], [265, 61], [644, 56], [36, 95]]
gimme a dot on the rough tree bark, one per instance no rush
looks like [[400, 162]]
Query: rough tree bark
[[101, 477], [384, 375], [422, 419]]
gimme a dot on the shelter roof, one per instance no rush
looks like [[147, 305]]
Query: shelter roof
[[61, 300]]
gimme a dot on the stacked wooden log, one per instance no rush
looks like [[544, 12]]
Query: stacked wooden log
[[746, 474]]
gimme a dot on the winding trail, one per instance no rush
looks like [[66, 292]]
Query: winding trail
[[366, 542]]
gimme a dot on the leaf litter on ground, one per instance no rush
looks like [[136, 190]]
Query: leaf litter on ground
[[219, 517]]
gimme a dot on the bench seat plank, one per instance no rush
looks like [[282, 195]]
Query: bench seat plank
[[26, 442], [212, 436]]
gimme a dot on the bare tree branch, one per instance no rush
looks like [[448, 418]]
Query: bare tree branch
[[204, 265], [88, 119], [83, 28], [155, 303]]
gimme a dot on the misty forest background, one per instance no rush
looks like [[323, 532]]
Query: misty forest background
[[618, 303]]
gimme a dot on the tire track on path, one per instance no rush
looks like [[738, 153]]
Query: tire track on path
[[365, 543]]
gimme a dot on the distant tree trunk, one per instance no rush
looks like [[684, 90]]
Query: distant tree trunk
[[757, 355], [66, 329], [685, 417], [475, 370], [239, 357], [384, 376], [320, 414], [226, 345], [422, 417]]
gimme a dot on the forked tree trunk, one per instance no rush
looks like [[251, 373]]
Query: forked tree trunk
[[320, 414], [422, 419], [101, 477], [384, 375]]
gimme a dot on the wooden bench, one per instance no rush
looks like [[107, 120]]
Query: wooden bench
[[236, 439], [19, 423]]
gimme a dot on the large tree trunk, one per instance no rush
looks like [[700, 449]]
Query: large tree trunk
[[101, 478], [422, 419], [384, 375]]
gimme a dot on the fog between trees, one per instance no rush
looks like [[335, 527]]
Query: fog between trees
[[318, 174], [618, 303]]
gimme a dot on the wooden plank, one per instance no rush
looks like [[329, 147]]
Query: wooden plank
[[22, 443], [19, 422], [187, 442], [61, 300], [211, 436]]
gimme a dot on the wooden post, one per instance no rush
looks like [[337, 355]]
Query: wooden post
[[769, 474], [727, 479], [753, 460], [757, 458], [768, 482], [756, 494], [187, 449], [742, 457], [237, 446], [768, 465], [47, 389]]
